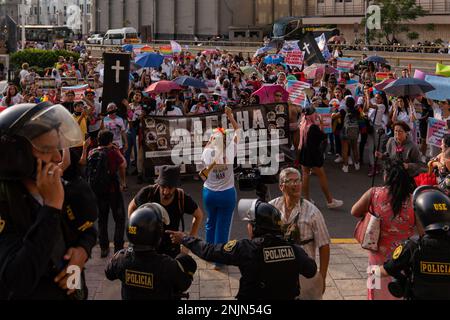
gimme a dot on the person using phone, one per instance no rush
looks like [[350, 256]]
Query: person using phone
[[39, 239]]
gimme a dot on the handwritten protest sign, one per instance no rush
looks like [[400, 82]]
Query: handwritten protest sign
[[436, 131]]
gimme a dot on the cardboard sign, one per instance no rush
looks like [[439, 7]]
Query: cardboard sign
[[436, 131], [264, 138]]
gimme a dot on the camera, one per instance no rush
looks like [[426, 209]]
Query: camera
[[249, 179]]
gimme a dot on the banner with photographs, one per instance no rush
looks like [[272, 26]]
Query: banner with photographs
[[263, 139]]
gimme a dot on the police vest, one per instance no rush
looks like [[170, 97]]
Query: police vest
[[279, 272], [431, 269]]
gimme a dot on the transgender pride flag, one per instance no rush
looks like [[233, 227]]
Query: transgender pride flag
[[345, 64], [296, 89]]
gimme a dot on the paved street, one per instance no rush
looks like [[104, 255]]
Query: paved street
[[347, 272]]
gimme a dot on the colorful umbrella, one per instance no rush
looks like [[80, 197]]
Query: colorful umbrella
[[163, 86], [409, 87], [150, 60], [266, 93], [190, 82]]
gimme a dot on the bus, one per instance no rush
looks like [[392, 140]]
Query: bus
[[292, 28], [48, 34]]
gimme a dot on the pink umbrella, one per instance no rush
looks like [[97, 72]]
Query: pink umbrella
[[316, 71], [267, 93], [163, 87], [210, 52], [383, 84]]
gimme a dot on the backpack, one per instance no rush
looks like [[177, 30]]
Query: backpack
[[351, 127], [98, 173]]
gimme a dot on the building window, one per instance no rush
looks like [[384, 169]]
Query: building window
[[88, 8], [48, 9], [54, 10], [65, 11]]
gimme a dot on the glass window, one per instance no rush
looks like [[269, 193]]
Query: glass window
[[131, 36]]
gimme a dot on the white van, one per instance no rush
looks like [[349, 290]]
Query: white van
[[121, 36]]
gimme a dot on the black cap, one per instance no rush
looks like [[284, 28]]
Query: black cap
[[169, 176]]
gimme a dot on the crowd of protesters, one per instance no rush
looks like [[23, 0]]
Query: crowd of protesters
[[367, 125]]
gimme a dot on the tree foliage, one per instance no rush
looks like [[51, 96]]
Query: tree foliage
[[395, 14]]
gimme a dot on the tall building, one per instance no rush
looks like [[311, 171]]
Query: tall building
[[59, 12], [187, 19]]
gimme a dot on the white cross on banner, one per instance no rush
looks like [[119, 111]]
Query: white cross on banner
[[306, 47], [118, 68]]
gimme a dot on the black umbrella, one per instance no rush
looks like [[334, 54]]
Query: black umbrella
[[376, 59], [408, 87]]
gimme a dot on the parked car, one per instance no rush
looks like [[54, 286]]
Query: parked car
[[95, 39], [121, 36]]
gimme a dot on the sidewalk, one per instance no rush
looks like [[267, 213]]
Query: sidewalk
[[346, 277]]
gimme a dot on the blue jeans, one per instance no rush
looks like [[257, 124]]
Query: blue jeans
[[131, 135], [219, 206]]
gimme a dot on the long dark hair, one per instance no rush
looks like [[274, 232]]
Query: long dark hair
[[401, 185]]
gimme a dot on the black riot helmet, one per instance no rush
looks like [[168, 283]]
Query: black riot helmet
[[22, 127], [432, 206], [146, 226], [265, 218]]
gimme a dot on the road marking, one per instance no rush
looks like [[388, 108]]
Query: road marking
[[344, 241]]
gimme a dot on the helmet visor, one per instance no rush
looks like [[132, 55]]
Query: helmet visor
[[52, 128]]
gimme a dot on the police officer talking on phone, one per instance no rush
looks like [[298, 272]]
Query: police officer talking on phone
[[421, 266], [44, 229], [269, 265]]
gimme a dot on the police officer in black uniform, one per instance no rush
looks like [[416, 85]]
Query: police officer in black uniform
[[270, 266], [421, 265], [44, 227], [146, 274]]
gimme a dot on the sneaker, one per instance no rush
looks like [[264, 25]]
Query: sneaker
[[338, 160], [357, 166], [104, 252], [345, 169], [335, 204], [350, 161]]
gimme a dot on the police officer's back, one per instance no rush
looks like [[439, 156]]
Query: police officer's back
[[421, 266], [269, 265], [145, 274]]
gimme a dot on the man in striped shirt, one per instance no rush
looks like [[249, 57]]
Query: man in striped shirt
[[304, 224]]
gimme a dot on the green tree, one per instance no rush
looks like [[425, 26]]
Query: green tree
[[395, 14], [413, 35]]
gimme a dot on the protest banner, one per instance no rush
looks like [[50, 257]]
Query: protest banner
[[294, 58], [322, 44], [69, 82], [436, 131], [79, 91], [325, 114], [263, 140], [45, 83]]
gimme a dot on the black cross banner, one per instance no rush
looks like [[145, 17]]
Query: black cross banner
[[116, 78], [312, 52]]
